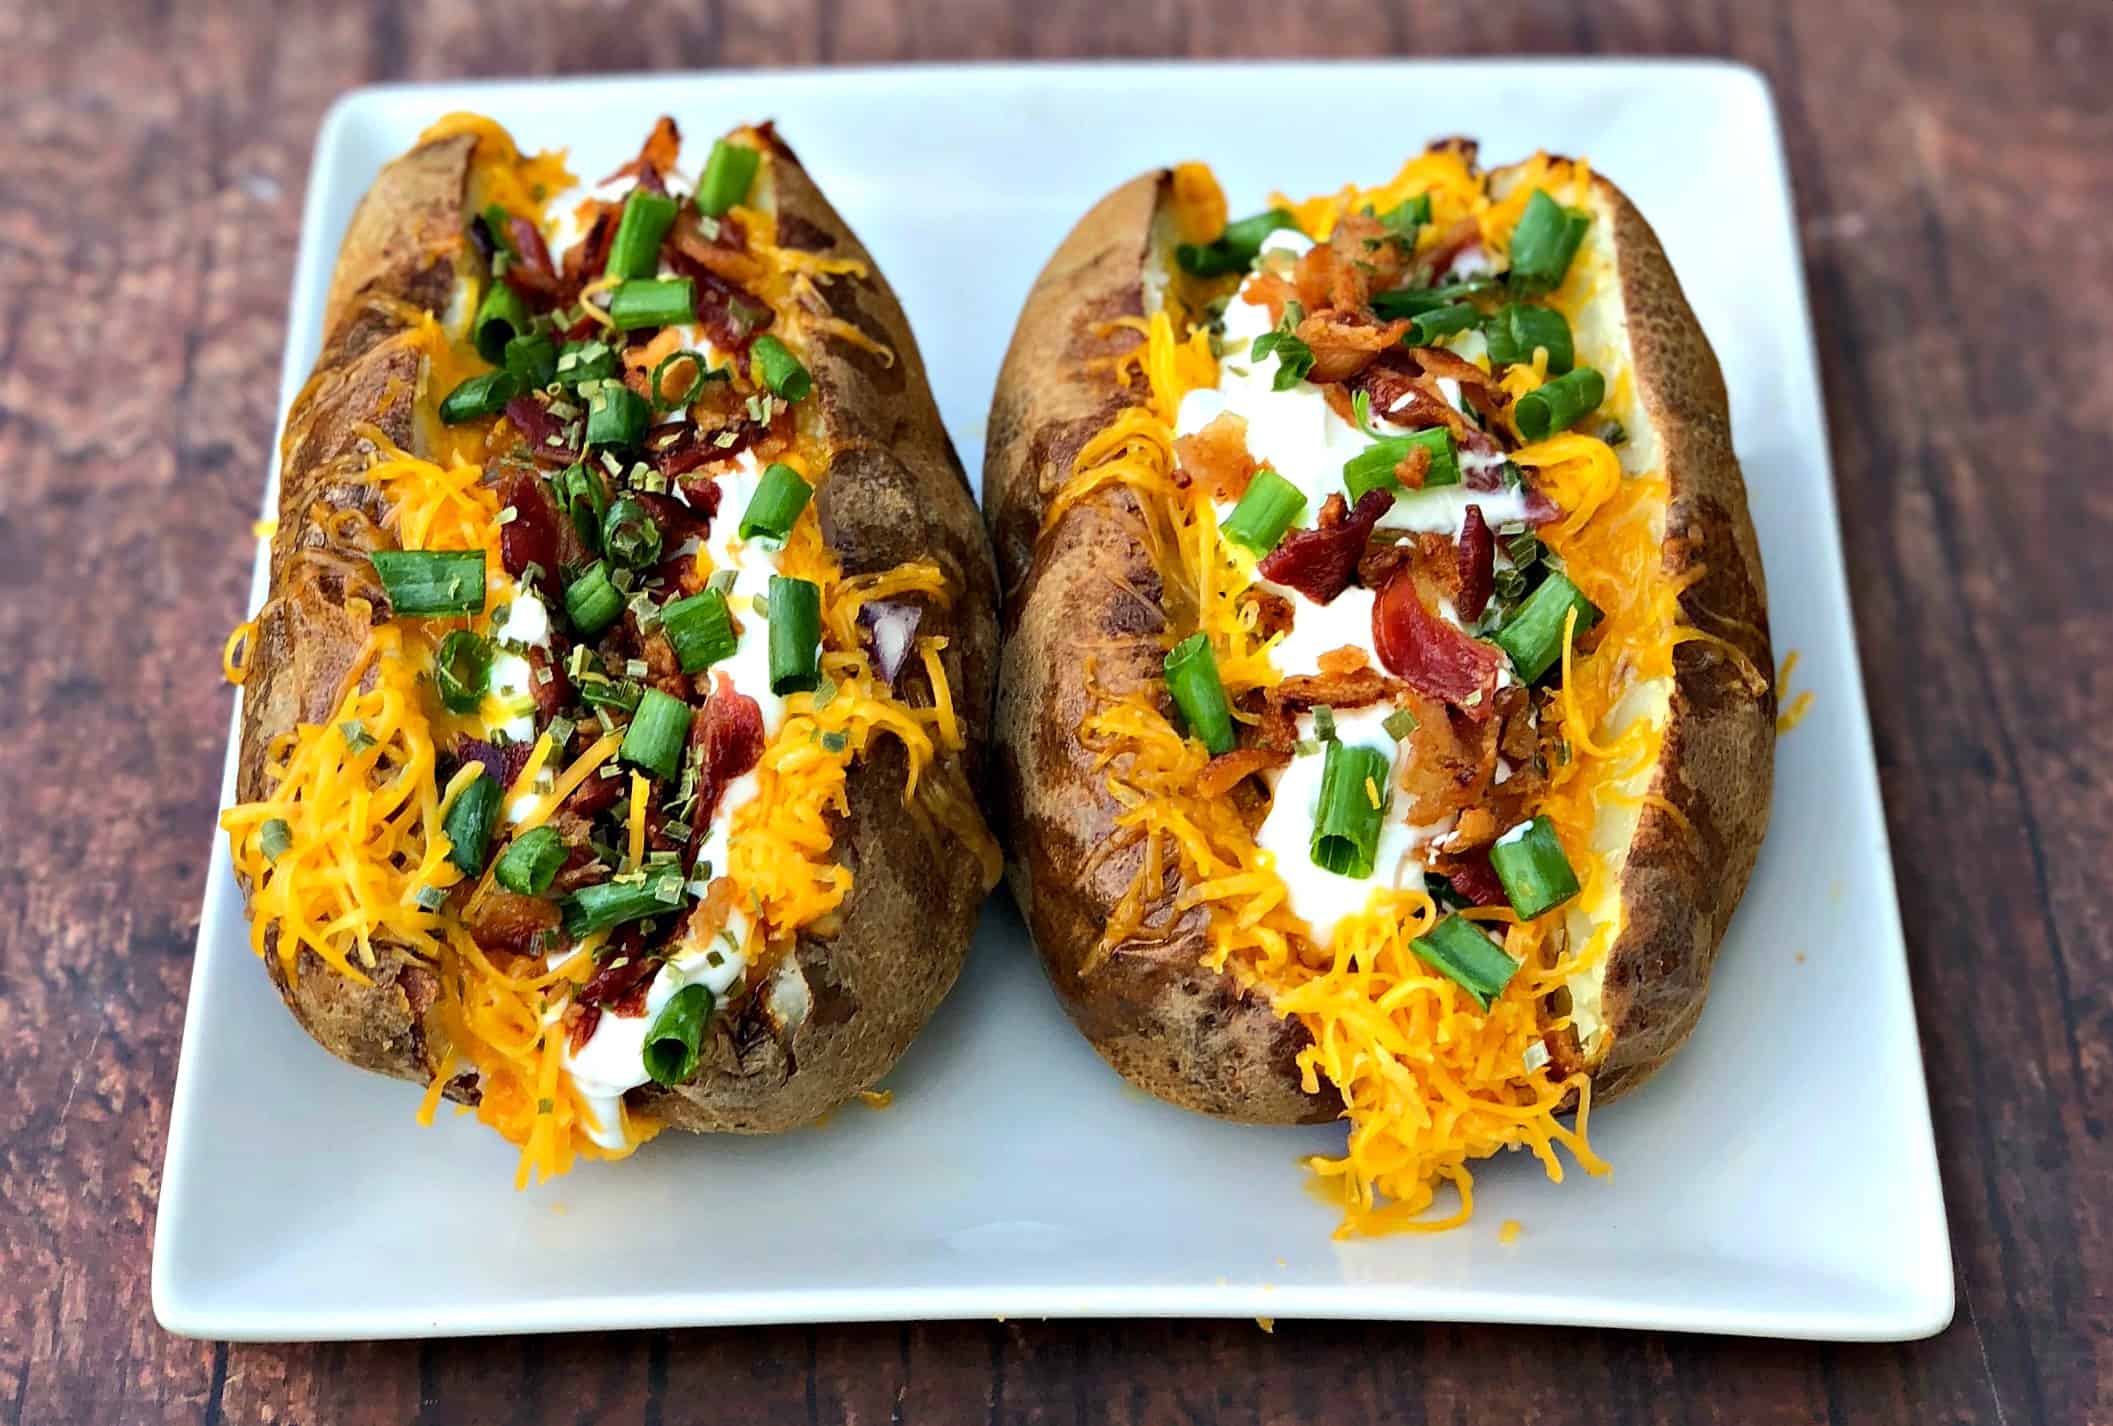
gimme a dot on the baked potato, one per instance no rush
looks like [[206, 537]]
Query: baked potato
[[609, 733], [1385, 722]]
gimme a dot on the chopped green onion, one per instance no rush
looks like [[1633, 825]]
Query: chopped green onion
[[1269, 507], [705, 375], [497, 224], [1400, 723], [421, 582], [1346, 818], [1529, 861], [357, 739], [653, 302], [586, 500], [1294, 357], [1405, 217], [635, 252], [780, 497], [531, 862], [781, 370], [462, 668], [532, 360], [727, 176], [1323, 722], [580, 362], [617, 416], [1515, 330], [469, 822], [654, 741], [1192, 679], [1425, 328], [795, 635], [1236, 249], [1559, 404], [600, 691], [1460, 951], [1415, 301], [671, 1050], [630, 534], [700, 629], [274, 838], [1543, 244], [478, 397], [610, 904], [1373, 468], [501, 317], [1533, 634], [592, 603]]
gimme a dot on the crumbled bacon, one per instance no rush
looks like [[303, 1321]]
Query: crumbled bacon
[[1472, 876], [1216, 457], [547, 684], [1399, 393], [1479, 388], [589, 259], [1227, 770], [1477, 561], [507, 921], [1321, 562], [1356, 687], [544, 438], [724, 252], [621, 983], [1271, 290], [595, 795], [502, 762], [657, 156], [531, 272], [1273, 613], [531, 536], [1428, 653], [730, 314], [1345, 342], [728, 730]]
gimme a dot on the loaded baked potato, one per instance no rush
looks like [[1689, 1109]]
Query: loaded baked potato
[[609, 733], [1384, 727]]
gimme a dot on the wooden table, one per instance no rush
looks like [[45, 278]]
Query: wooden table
[[1952, 163]]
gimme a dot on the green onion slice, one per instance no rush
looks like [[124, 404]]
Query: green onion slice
[[532, 360], [612, 903], [462, 669], [469, 822], [629, 534], [780, 497], [1516, 329], [1415, 301], [1353, 800], [654, 741], [1533, 635], [652, 302], [617, 416], [700, 629], [1236, 249], [1543, 243], [580, 362], [727, 176], [1192, 679], [781, 370], [671, 1050], [531, 861], [274, 838], [501, 316], [1426, 328], [1460, 951], [429, 582], [580, 490], [592, 602], [478, 397], [635, 252], [1559, 404], [1373, 468], [1529, 861], [795, 635], [705, 374], [1269, 506]]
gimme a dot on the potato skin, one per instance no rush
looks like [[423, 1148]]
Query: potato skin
[[895, 491], [1191, 1036]]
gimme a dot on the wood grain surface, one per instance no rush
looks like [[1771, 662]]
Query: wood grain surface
[[1953, 163]]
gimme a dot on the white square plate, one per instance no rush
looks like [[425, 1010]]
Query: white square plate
[[1778, 1178]]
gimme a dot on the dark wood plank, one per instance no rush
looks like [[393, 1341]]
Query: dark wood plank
[[1952, 163]]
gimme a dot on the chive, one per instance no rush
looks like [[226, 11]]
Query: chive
[[795, 635], [1270, 506], [1427, 327], [586, 500], [478, 397], [705, 375], [1400, 723], [356, 737], [727, 176], [420, 582], [616, 416], [1515, 330], [782, 371], [1465, 955], [600, 691], [635, 252], [630, 534], [274, 838], [1324, 722], [1373, 468], [1236, 249], [1415, 301], [462, 668], [580, 362], [1543, 244], [531, 359], [671, 1050], [1345, 821], [653, 302], [778, 501], [468, 825], [1529, 861], [1405, 217], [1294, 357], [592, 602], [612, 903], [530, 863], [1533, 634], [1559, 404], [700, 630], [1192, 679], [501, 317], [654, 741]]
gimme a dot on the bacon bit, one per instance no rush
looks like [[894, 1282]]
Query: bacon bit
[[1475, 880], [1321, 562], [1398, 394], [1412, 468], [1217, 458], [1477, 827], [595, 795], [1368, 259], [1486, 472], [730, 314], [551, 694], [501, 764], [1271, 290], [712, 912], [531, 537], [725, 253], [508, 921], [662, 147], [1431, 655], [538, 427], [1272, 613], [1444, 771], [1228, 770], [729, 731], [620, 986], [1347, 659], [1478, 568], [1478, 387], [1345, 342], [1385, 553], [589, 259], [531, 273], [1352, 688], [703, 493], [1540, 510], [581, 1021]]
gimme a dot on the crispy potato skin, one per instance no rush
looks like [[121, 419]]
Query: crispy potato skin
[[896, 491], [1087, 588]]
